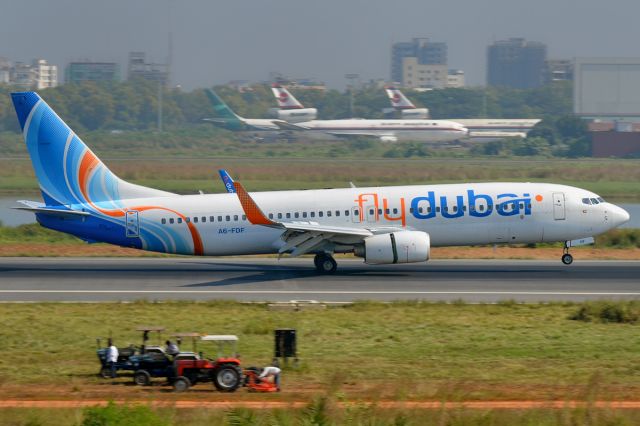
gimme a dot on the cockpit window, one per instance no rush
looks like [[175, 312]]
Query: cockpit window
[[600, 199], [595, 201], [586, 201]]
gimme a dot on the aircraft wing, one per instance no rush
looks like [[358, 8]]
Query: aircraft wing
[[36, 207], [381, 136], [299, 237]]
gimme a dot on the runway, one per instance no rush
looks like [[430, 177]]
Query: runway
[[267, 279]]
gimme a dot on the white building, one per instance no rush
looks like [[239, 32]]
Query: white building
[[425, 76], [455, 79], [44, 75]]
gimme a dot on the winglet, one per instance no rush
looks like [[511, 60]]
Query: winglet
[[227, 181], [251, 209]]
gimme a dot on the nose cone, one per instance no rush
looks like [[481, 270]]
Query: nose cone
[[619, 216]]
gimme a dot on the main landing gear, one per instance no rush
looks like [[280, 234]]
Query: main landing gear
[[325, 264], [567, 259]]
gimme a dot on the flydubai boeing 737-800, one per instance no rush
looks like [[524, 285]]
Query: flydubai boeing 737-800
[[384, 225]]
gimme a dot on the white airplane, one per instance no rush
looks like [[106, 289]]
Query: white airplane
[[289, 108], [383, 225], [385, 130], [479, 128]]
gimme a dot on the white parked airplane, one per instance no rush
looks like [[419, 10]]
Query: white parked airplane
[[479, 128], [385, 130], [289, 108], [384, 225]]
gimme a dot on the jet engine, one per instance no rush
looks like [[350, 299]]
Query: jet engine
[[415, 114], [396, 247], [294, 115], [388, 139]]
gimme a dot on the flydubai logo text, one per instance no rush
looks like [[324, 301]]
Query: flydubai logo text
[[372, 206]]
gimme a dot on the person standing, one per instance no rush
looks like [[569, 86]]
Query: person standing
[[112, 358]]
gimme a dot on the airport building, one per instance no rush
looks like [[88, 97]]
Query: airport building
[[516, 63], [77, 72], [5, 71], [140, 68], [424, 51], [558, 70]]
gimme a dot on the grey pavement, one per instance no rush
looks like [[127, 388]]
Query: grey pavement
[[269, 279]]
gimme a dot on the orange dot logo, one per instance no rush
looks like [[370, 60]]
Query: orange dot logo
[[538, 198]]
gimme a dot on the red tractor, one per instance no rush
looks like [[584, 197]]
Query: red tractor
[[224, 371]]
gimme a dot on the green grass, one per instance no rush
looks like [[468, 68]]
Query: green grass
[[616, 180], [418, 350]]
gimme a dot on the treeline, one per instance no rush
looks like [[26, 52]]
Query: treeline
[[133, 105]]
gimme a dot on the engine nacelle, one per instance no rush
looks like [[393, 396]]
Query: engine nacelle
[[397, 247], [388, 139], [415, 114], [294, 115]]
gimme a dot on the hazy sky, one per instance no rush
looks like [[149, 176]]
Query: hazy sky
[[218, 40]]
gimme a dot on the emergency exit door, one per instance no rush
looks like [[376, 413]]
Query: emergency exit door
[[558, 206], [131, 224]]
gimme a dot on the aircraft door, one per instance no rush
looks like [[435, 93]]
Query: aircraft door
[[132, 224], [355, 214], [559, 212]]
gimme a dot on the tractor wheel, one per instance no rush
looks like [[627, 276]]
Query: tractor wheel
[[105, 373], [227, 378], [142, 378], [181, 384]]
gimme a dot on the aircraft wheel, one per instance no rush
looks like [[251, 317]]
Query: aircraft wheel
[[567, 259], [325, 264]]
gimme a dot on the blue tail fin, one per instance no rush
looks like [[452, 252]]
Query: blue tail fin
[[227, 180], [67, 170]]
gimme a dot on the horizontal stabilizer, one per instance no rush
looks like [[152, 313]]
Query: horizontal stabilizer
[[36, 207]]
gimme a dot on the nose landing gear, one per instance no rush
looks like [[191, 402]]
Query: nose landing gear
[[325, 264], [567, 259]]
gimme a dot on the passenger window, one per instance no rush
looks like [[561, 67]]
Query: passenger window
[[296, 215], [395, 211], [529, 205], [420, 210], [522, 205], [356, 212], [195, 219], [235, 217], [346, 212], [204, 218], [188, 219], [328, 213], [320, 213], [212, 218], [219, 218], [244, 217], [164, 221], [270, 215], [438, 209], [481, 207], [411, 210], [337, 212], [288, 215], [455, 209], [279, 215], [472, 208], [228, 218], [179, 220], [464, 208], [171, 220], [489, 208], [371, 211], [304, 214], [380, 212], [313, 214], [446, 208], [429, 209]]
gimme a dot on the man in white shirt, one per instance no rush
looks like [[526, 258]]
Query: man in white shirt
[[171, 348], [271, 371], [112, 358]]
